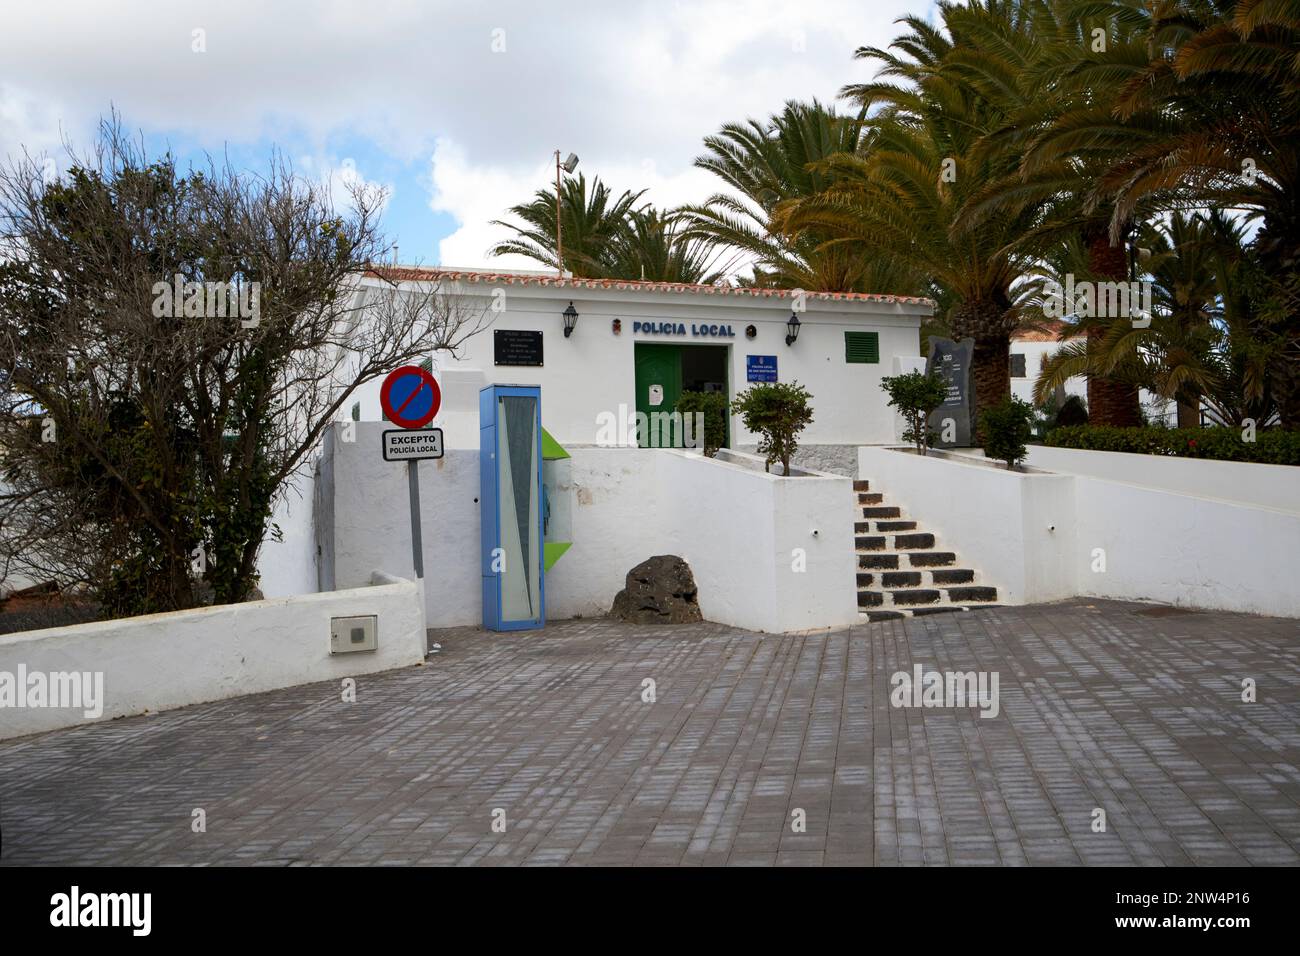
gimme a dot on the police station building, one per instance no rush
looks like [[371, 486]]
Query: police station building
[[604, 350]]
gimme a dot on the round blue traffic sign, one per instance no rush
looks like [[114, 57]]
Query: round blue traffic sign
[[410, 397]]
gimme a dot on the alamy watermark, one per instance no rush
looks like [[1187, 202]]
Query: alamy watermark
[[923, 688], [212, 300], [1102, 300], [627, 429], [71, 690]]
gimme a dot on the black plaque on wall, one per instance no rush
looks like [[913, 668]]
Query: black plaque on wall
[[516, 347], [952, 360]]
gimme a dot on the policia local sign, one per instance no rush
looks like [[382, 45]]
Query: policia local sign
[[403, 445]]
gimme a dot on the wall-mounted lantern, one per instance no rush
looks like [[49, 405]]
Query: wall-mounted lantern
[[570, 320], [792, 325]]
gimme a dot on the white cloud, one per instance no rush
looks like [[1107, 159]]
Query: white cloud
[[621, 84]]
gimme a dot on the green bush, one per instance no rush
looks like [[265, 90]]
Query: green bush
[[1007, 428], [778, 412], [1271, 446], [713, 406], [916, 395]]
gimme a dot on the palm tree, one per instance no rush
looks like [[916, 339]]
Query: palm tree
[[1211, 116], [768, 163], [1199, 346], [923, 159], [655, 247], [592, 224], [1052, 83]]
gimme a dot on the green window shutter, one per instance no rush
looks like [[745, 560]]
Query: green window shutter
[[427, 365], [356, 411], [862, 348]]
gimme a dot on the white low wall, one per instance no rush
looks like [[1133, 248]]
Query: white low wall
[[736, 527], [1155, 544], [1268, 486], [749, 538], [160, 661]]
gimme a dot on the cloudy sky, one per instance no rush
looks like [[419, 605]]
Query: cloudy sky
[[456, 108]]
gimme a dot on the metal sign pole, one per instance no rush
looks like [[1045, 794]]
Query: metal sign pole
[[417, 545]]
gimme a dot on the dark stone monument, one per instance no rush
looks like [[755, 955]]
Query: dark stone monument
[[659, 590], [954, 417]]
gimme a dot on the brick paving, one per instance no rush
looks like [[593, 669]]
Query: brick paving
[[1132, 709]]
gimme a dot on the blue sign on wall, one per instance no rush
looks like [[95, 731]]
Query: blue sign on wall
[[760, 368]]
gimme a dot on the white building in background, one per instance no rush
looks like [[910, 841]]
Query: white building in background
[[636, 346], [1029, 349]]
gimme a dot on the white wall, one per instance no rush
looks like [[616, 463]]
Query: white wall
[[1157, 544], [161, 661], [1269, 486], [735, 526], [1184, 550], [288, 566], [739, 529]]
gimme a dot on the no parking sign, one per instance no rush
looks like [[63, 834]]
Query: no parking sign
[[410, 396]]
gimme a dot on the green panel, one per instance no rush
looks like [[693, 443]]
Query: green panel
[[552, 551], [658, 365], [552, 450], [862, 348]]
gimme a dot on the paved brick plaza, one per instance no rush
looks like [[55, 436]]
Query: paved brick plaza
[[1130, 708]]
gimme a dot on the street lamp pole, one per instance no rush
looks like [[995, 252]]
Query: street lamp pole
[[559, 222], [569, 165]]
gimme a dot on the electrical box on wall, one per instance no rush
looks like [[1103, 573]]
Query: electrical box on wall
[[513, 507], [351, 634]]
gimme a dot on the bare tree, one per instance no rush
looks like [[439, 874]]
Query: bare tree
[[172, 345]]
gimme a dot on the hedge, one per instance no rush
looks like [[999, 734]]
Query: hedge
[[1271, 446]]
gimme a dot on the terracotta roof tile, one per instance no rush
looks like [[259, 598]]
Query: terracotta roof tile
[[1050, 332], [405, 273]]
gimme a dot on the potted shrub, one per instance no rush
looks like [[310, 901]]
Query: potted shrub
[[712, 406], [1007, 428], [916, 395], [778, 412]]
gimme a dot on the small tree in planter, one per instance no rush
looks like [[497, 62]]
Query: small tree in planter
[[916, 395], [778, 411], [713, 407], [1007, 428]]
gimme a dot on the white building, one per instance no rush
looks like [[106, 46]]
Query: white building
[[1029, 349], [635, 346]]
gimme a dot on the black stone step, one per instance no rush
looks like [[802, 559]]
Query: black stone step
[[865, 580], [882, 511], [877, 561], [953, 575], [874, 543], [909, 542], [900, 579], [885, 615], [870, 498], [939, 609], [895, 525], [976, 593], [870, 599], [860, 485], [932, 559], [911, 596]]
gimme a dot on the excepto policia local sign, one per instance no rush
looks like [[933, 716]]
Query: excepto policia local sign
[[406, 445], [679, 328]]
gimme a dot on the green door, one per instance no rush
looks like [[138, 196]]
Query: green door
[[658, 386]]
